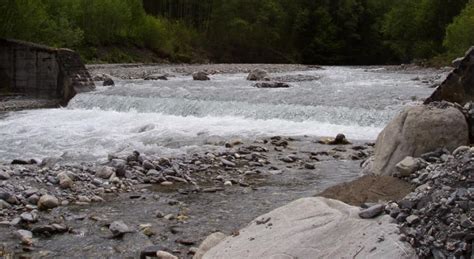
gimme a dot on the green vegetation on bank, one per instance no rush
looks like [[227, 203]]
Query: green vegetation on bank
[[295, 31]]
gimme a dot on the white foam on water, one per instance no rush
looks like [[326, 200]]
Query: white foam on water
[[92, 134]]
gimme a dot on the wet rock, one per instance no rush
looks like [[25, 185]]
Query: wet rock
[[258, 75], [372, 212], [108, 82], [201, 76], [4, 175], [309, 166], [45, 230], [23, 162], [271, 85], [339, 140], [48, 202], [105, 172], [119, 228]]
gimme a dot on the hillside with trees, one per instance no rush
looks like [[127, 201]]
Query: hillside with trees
[[264, 31]]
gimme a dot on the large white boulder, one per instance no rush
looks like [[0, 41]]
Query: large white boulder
[[418, 130], [314, 228]]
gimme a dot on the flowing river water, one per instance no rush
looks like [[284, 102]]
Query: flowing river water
[[175, 115], [182, 116]]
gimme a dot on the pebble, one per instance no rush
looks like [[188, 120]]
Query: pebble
[[166, 183], [4, 205], [412, 219], [105, 172], [227, 163], [4, 175], [119, 228], [47, 202], [65, 181], [25, 236], [165, 255], [227, 183], [29, 217]]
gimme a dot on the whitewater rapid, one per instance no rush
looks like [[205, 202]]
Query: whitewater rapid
[[174, 116]]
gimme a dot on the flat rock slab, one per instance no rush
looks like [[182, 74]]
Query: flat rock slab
[[315, 228]]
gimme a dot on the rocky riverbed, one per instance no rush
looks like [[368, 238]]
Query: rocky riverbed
[[139, 203]]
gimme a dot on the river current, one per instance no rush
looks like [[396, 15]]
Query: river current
[[174, 116]]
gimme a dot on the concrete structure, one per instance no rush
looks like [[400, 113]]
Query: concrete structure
[[39, 71]]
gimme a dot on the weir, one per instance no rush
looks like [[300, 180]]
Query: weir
[[39, 71]]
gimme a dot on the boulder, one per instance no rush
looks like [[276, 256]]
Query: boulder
[[271, 85], [416, 131], [201, 76], [208, 243], [258, 75], [459, 85], [314, 228]]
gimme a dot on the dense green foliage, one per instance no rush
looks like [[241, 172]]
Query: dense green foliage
[[303, 31]]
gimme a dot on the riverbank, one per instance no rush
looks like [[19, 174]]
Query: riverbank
[[172, 203]]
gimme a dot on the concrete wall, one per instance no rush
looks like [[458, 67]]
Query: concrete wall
[[40, 71]]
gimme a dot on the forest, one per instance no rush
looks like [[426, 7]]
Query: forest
[[430, 32]]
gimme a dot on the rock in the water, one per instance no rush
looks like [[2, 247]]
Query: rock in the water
[[271, 85], [258, 75], [372, 212], [418, 130], [105, 172], [119, 228], [108, 82], [407, 166], [201, 76], [47, 202], [314, 228], [339, 140], [211, 241], [459, 85]]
